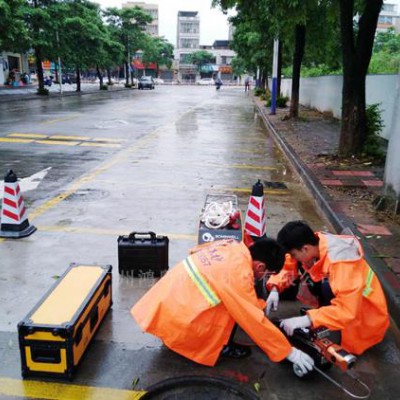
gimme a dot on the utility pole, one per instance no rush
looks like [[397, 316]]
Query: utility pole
[[274, 77], [59, 64]]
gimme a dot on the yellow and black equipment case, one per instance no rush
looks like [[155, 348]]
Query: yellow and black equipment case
[[55, 334]]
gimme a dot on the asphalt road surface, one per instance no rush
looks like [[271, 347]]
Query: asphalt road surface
[[98, 166]]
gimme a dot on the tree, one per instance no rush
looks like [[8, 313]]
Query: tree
[[201, 57], [127, 27], [357, 41], [159, 51], [13, 33]]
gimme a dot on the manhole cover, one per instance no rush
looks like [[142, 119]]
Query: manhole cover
[[198, 388], [88, 195]]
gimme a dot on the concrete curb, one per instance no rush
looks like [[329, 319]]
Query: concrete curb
[[8, 98], [390, 283]]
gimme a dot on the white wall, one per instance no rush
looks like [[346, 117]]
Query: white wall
[[325, 94]]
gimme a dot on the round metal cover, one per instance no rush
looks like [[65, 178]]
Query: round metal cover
[[198, 388]]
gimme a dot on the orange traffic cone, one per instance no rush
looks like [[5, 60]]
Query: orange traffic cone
[[256, 221], [14, 218]]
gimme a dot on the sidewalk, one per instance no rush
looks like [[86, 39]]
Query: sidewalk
[[344, 191], [29, 92]]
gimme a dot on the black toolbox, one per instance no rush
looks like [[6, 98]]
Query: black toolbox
[[143, 254], [54, 336]]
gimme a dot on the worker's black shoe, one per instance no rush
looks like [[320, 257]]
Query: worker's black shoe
[[234, 350]]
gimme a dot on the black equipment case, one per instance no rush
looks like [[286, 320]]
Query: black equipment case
[[55, 334], [143, 254]]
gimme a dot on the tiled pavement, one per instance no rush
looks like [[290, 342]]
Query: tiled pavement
[[343, 191]]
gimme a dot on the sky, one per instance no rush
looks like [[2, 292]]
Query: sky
[[213, 24]]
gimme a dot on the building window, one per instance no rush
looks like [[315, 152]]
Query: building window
[[383, 19], [189, 43], [388, 7], [188, 27]]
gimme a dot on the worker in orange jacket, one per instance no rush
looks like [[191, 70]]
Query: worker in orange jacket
[[194, 307], [333, 270]]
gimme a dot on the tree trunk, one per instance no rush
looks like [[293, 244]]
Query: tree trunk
[[109, 76], [356, 54], [126, 73], [300, 42], [78, 78], [39, 68], [100, 75]]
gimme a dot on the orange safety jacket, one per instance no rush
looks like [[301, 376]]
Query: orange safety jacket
[[358, 308], [194, 307]]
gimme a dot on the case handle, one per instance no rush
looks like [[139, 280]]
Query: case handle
[[132, 236]]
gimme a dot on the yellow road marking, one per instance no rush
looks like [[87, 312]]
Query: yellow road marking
[[93, 174], [207, 164], [28, 135], [62, 391], [11, 140], [54, 121], [108, 232], [64, 143], [110, 140], [65, 137], [87, 144]]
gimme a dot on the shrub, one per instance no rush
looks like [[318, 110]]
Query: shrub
[[280, 101], [258, 91], [373, 142], [103, 87], [128, 85]]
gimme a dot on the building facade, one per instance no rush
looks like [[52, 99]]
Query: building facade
[[152, 9], [187, 42], [388, 17]]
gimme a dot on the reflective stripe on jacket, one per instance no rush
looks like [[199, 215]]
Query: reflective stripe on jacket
[[193, 308], [358, 308]]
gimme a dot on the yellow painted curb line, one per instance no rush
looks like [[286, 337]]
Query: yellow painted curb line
[[63, 391]]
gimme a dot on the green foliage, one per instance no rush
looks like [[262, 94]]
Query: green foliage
[[104, 87], [128, 85], [157, 50], [373, 143], [258, 91], [319, 70], [281, 101], [386, 53], [202, 57]]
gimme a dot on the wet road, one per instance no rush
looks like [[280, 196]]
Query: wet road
[[141, 161]]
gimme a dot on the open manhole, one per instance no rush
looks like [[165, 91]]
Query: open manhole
[[88, 195], [198, 388]]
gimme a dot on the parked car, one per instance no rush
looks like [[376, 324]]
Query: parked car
[[205, 81], [146, 82]]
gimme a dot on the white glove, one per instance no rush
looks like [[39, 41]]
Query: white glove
[[272, 301], [290, 324], [301, 359]]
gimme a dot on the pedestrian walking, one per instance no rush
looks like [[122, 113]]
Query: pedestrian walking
[[247, 84]]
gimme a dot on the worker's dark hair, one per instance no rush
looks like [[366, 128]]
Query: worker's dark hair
[[268, 251], [295, 234]]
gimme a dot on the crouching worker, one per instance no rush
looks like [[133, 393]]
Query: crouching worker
[[332, 268], [194, 307]]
